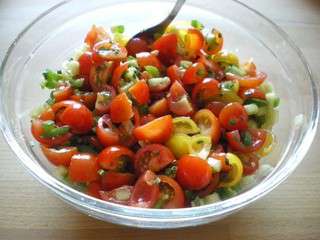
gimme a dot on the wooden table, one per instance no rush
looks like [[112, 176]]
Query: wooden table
[[292, 211]]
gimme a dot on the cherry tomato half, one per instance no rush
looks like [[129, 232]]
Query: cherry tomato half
[[194, 41], [152, 157], [194, 74], [159, 108], [146, 191], [115, 158], [246, 93], [106, 132], [137, 45], [104, 99], [214, 42], [63, 92], [93, 189], [59, 156], [156, 131], [111, 180], [148, 59], [172, 191], [215, 107], [83, 168], [117, 74], [234, 116], [96, 34], [248, 81], [121, 108], [205, 90], [179, 100], [119, 195], [140, 92], [86, 98], [193, 173], [108, 51], [85, 64], [167, 47], [174, 73], [213, 185], [250, 163]]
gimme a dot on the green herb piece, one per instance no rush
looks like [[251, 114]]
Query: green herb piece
[[190, 195], [117, 29], [247, 139], [143, 109], [232, 122], [50, 130], [51, 79], [76, 83], [196, 24], [171, 171], [153, 71]]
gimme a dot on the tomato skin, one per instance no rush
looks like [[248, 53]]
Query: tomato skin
[[146, 191], [211, 66], [249, 81], [156, 131], [93, 189], [146, 118], [246, 93], [64, 92], [109, 158], [117, 74], [59, 157], [193, 173], [194, 74], [88, 99], [207, 89], [219, 42], [112, 180], [208, 124], [152, 157], [100, 75], [194, 42], [48, 114], [85, 62], [113, 52], [258, 138], [213, 185], [37, 131], [121, 109], [250, 163], [96, 34], [83, 168], [174, 73], [102, 105], [148, 59], [178, 199], [137, 45], [76, 115], [140, 91], [167, 47], [215, 107], [234, 117], [111, 196], [106, 133], [159, 108]]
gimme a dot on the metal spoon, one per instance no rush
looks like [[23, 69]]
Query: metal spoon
[[148, 34]]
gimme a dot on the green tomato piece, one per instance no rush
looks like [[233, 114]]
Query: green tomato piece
[[227, 58], [179, 144], [200, 146], [185, 125], [228, 96]]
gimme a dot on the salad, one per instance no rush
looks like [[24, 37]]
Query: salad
[[176, 123]]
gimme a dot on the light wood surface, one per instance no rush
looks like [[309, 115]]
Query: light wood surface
[[292, 211]]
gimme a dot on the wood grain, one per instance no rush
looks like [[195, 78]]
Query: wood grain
[[292, 211]]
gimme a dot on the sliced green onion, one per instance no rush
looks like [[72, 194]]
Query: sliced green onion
[[132, 62], [196, 24], [131, 74], [247, 139], [251, 109], [50, 130], [76, 83], [153, 71], [51, 79], [185, 64], [235, 70], [117, 29], [273, 99]]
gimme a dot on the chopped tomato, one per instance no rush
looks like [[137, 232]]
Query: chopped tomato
[[209, 124], [159, 108], [233, 116], [156, 131], [140, 92], [137, 45], [246, 93], [96, 34], [179, 100], [211, 66], [247, 141], [194, 74], [213, 185], [152, 157], [59, 156], [75, 115], [106, 132], [47, 114], [121, 108], [115, 158], [86, 98], [63, 92], [85, 64], [104, 99], [148, 59], [147, 118], [250, 163], [117, 74], [193, 173], [194, 41], [108, 51], [167, 47], [37, 132], [215, 107], [205, 90], [221, 156], [171, 193], [100, 75], [214, 42], [174, 73], [146, 191], [93, 189], [111, 180], [83, 168], [119, 195], [248, 81]]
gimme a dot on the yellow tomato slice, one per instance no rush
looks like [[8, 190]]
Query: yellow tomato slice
[[185, 125], [235, 174]]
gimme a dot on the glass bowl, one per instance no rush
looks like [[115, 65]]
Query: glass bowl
[[53, 36]]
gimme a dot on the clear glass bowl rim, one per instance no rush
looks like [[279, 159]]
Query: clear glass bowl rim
[[170, 218]]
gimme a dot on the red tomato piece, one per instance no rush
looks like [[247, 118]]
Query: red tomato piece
[[83, 168], [48, 114], [147, 118], [121, 108], [194, 74], [112, 180], [248, 81], [194, 41], [159, 108], [146, 191], [213, 185], [250, 163], [85, 62], [156, 131], [167, 47], [140, 91], [86, 98], [117, 74], [205, 90], [211, 66], [63, 92], [100, 75], [137, 45], [96, 34], [176, 195], [59, 156], [215, 107], [234, 116], [193, 173], [214, 42], [246, 93], [154, 157], [119, 195], [148, 59], [115, 157], [93, 189], [107, 134], [108, 51], [247, 141], [174, 73]]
